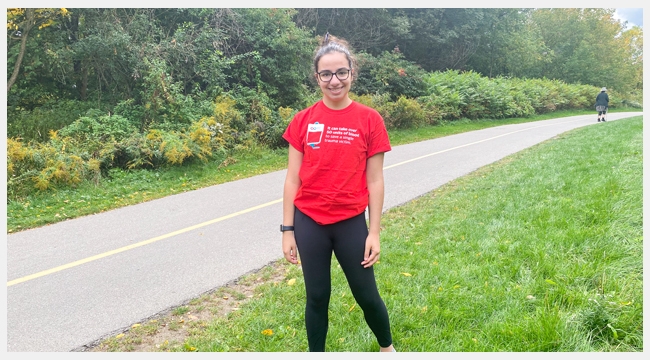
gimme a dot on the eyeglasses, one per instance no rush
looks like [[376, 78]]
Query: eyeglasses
[[341, 74]]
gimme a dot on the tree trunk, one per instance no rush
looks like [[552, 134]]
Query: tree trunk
[[84, 84], [29, 23]]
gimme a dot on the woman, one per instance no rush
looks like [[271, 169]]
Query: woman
[[602, 103], [335, 172]]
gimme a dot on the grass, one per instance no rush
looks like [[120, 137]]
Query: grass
[[539, 252], [125, 188]]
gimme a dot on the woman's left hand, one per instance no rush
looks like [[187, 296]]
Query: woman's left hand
[[371, 254]]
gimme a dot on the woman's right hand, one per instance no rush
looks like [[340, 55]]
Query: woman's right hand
[[289, 247]]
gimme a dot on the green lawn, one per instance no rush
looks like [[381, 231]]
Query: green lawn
[[539, 252]]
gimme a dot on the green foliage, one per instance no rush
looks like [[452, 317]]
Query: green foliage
[[271, 134], [389, 73], [586, 46], [278, 53], [36, 124], [136, 88], [403, 113], [43, 166], [132, 111], [99, 127], [165, 104], [470, 95]]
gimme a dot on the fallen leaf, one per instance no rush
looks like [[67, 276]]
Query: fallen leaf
[[135, 326], [291, 282], [119, 336], [406, 274], [267, 332]]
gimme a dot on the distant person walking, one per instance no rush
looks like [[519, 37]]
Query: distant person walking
[[602, 103], [335, 172]]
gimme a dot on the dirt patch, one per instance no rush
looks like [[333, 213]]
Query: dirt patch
[[168, 330]]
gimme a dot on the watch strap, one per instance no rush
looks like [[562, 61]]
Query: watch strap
[[285, 228]]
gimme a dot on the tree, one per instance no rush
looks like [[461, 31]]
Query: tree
[[20, 22], [366, 29], [633, 43], [586, 46], [508, 47]]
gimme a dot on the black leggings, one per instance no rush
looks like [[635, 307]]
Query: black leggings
[[347, 240]]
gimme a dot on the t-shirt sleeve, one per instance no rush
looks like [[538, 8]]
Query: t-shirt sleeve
[[292, 134], [379, 141]]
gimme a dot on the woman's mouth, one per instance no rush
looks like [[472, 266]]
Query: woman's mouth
[[336, 91]]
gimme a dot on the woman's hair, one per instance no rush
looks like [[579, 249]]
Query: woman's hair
[[329, 44]]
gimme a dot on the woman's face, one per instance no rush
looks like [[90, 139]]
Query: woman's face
[[335, 91]]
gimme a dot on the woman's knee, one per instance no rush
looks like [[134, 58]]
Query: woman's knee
[[318, 296]]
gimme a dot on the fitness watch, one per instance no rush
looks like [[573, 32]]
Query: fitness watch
[[286, 228]]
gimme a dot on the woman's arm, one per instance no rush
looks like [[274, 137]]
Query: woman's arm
[[291, 184], [375, 180]]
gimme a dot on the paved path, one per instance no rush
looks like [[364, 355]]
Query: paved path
[[80, 280]]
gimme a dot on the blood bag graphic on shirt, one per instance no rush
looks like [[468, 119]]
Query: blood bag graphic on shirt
[[314, 134]]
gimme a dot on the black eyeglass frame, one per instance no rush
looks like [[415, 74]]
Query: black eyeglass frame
[[332, 74]]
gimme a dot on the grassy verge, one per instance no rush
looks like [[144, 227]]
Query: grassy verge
[[539, 252], [132, 187]]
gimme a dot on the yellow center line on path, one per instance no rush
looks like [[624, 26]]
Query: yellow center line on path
[[194, 227], [136, 245]]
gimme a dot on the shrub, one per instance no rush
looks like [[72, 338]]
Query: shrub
[[403, 113], [36, 124], [99, 128], [272, 135], [44, 166], [389, 73]]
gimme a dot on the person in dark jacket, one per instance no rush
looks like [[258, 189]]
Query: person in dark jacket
[[602, 103]]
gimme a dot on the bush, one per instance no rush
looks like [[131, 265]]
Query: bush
[[389, 74], [44, 166], [102, 128], [403, 113], [36, 124], [271, 135]]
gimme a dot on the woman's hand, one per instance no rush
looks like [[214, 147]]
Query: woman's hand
[[289, 247], [371, 255]]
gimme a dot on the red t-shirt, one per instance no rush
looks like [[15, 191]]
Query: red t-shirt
[[335, 146]]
